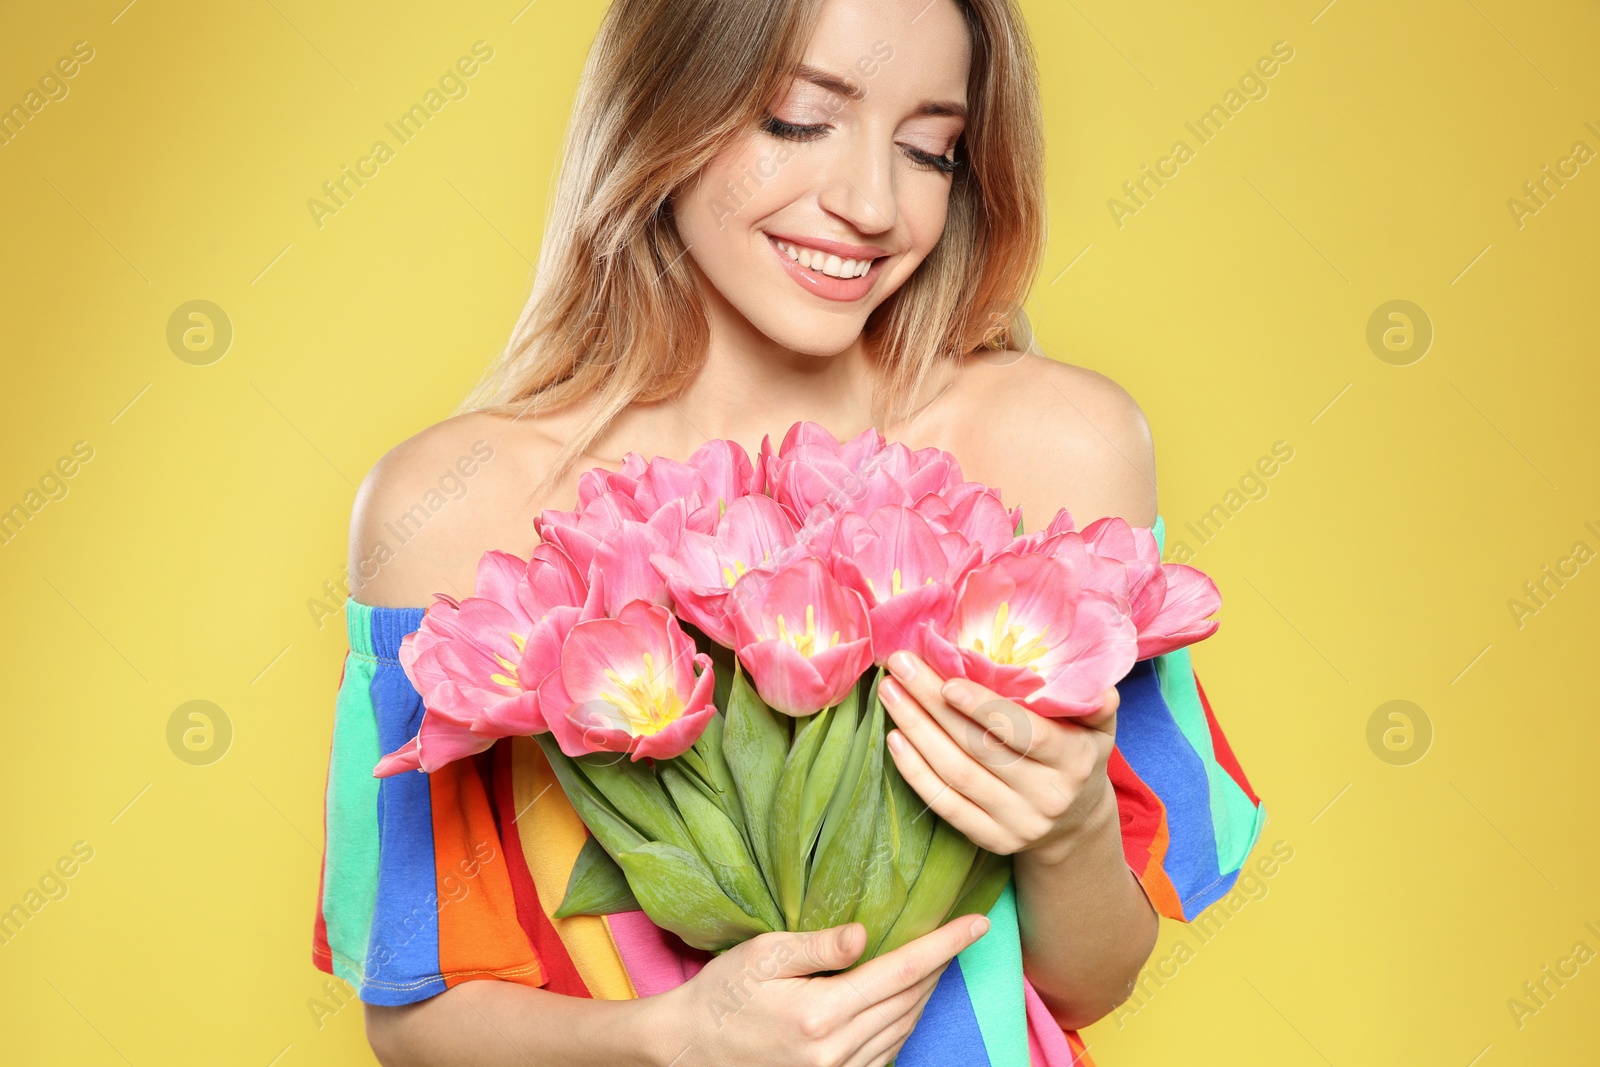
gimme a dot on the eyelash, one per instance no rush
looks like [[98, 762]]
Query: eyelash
[[791, 132]]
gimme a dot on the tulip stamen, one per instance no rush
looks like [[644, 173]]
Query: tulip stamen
[[1008, 642], [646, 702], [807, 642]]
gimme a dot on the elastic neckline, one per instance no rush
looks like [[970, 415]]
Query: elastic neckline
[[377, 631]]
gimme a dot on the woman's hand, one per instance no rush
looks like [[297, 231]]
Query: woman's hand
[[1010, 779], [755, 1003]]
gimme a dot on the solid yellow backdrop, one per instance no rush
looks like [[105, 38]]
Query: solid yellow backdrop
[[1391, 496]]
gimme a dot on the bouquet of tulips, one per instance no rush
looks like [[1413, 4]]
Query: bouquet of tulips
[[697, 650]]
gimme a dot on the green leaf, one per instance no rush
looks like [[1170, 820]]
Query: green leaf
[[983, 885], [637, 794], [721, 844], [915, 819], [678, 893], [839, 796], [822, 784], [755, 742], [717, 773], [792, 835], [884, 893], [597, 885], [616, 834], [937, 886], [836, 882]]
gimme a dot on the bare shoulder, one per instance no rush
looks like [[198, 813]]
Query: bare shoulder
[[1063, 435], [434, 503]]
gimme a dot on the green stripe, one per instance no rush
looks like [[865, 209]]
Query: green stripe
[[1233, 816], [992, 968], [350, 880]]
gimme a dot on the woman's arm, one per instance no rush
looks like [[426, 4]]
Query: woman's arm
[[490, 1024], [1085, 922]]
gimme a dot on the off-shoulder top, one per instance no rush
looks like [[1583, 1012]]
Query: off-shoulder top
[[430, 880]]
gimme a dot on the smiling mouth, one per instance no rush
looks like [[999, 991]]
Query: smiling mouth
[[824, 262]]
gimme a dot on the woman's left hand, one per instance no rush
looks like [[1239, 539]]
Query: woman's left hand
[[1010, 779]]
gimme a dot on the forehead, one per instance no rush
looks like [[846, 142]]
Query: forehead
[[902, 50]]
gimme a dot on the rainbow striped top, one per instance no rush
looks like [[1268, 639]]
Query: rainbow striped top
[[431, 880]]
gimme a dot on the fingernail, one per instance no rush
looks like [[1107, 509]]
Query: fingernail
[[958, 694], [902, 664], [897, 744], [980, 927], [843, 940]]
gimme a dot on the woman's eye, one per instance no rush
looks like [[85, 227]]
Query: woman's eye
[[929, 161], [790, 131]]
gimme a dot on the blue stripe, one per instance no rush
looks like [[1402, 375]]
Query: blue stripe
[[1160, 754], [947, 1034], [403, 946]]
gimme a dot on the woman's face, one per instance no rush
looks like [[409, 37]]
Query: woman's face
[[807, 224]]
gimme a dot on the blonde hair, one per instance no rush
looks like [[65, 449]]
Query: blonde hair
[[615, 311]]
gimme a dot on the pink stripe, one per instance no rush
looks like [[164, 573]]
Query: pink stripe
[[1047, 1044], [655, 960]]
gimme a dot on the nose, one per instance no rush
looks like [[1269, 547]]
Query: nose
[[858, 186]]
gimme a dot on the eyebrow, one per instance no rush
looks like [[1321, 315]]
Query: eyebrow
[[851, 91]]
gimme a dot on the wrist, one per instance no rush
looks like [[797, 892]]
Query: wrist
[[661, 1021], [1098, 823]]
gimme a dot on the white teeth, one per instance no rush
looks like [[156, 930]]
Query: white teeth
[[823, 263]]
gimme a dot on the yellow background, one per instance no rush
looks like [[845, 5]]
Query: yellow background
[[1233, 305]]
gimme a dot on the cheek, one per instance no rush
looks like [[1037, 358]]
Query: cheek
[[744, 184]]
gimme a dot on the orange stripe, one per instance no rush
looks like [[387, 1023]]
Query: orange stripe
[[1163, 894], [552, 835], [479, 935]]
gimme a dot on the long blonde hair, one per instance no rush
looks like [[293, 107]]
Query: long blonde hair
[[614, 310]]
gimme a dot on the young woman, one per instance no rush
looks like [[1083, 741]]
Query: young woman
[[770, 211]]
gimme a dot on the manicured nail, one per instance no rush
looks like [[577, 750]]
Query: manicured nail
[[958, 694], [890, 691], [980, 927], [897, 743], [903, 665]]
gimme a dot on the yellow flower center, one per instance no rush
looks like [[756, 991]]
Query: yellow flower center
[[509, 679], [807, 642], [647, 703], [1007, 643]]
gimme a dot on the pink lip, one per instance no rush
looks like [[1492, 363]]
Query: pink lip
[[824, 285]]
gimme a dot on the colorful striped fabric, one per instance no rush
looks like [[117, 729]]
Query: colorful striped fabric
[[429, 881]]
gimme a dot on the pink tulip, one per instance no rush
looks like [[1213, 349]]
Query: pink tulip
[[1025, 627], [1171, 603], [754, 531], [628, 684], [717, 473], [804, 637], [903, 566], [477, 663]]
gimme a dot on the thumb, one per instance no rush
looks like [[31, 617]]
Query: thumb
[[831, 949]]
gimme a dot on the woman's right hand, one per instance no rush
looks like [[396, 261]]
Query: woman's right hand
[[756, 1004]]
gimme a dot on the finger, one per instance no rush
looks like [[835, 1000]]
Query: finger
[[1104, 720], [881, 1046], [1012, 732], [861, 1032], [944, 799], [1010, 740], [882, 977], [953, 762], [794, 955]]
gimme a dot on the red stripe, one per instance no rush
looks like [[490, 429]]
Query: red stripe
[[1223, 750], [561, 974], [1145, 835]]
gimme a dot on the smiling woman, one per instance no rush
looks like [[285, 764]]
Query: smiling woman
[[772, 212]]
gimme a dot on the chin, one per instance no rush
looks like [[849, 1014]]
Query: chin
[[810, 333]]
